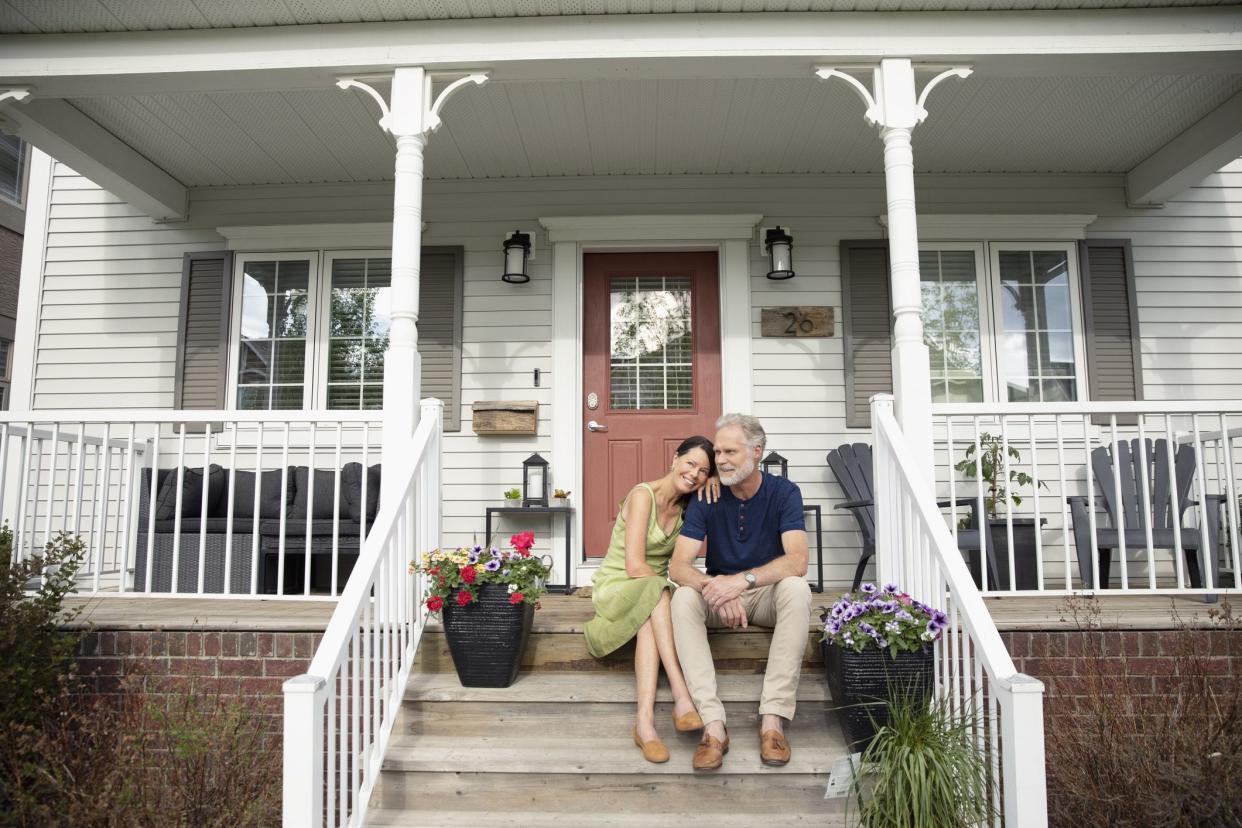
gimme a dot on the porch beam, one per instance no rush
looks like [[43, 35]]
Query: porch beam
[[201, 60], [63, 132], [1206, 146]]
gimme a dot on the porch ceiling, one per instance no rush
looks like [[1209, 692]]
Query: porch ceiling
[[992, 122], [44, 17]]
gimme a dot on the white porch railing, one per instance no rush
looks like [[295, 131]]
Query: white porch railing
[[974, 673], [1058, 540], [93, 474], [339, 715]]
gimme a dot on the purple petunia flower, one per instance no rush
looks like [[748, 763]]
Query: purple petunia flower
[[890, 588], [492, 565], [476, 549], [868, 588], [473, 557], [892, 627], [902, 615]]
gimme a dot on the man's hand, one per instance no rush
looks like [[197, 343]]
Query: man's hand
[[722, 589], [732, 613]]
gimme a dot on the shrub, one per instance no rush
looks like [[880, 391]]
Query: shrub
[[1122, 757]]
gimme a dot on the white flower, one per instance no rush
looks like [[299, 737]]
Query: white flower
[[513, 588]]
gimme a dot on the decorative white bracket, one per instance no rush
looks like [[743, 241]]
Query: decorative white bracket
[[894, 103], [19, 94], [429, 120]]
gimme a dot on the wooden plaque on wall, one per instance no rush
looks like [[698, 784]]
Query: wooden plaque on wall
[[800, 321]]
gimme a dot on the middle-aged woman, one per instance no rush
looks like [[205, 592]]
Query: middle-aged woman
[[631, 589]]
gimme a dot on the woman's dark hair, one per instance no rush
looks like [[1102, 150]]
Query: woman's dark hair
[[699, 442]]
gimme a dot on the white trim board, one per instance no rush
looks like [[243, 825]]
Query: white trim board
[[604, 230], [250, 238], [30, 284], [1012, 227]]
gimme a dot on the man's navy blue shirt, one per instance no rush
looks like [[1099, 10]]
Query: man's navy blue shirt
[[744, 534]]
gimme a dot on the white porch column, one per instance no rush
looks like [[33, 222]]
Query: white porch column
[[896, 109], [411, 117]]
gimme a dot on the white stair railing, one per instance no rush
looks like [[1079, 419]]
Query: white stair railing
[[974, 674], [338, 716]]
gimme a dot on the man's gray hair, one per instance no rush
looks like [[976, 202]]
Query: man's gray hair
[[751, 428]]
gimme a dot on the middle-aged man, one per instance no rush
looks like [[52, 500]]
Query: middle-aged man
[[756, 573]]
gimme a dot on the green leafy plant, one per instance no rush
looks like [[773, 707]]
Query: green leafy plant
[[513, 494], [987, 460], [924, 769]]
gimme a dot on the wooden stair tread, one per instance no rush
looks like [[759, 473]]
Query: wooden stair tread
[[570, 613], [394, 818], [582, 686]]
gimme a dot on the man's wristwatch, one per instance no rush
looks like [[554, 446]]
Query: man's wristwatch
[[751, 580]]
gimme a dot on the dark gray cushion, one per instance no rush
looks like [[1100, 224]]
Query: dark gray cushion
[[351, 490], [297, 529], [325, 488], [215, 526], [269, 494], [191, 492]]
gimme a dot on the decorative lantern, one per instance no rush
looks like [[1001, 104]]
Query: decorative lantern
[[517, 251], [534, 481], [776, 465], [780, 254]]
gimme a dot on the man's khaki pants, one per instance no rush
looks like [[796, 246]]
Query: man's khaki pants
[[784, 606]]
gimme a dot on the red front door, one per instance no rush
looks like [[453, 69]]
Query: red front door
[[650, 369]]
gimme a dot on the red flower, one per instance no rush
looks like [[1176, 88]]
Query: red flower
[[463, 598], [516, 598], [522, 542], [435, 570], [435, 603], [468, 574]]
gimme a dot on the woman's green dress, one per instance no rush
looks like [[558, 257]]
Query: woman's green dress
[[623, 603]]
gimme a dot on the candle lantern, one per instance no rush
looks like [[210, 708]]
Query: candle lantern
[[534, 481], [776, 465]]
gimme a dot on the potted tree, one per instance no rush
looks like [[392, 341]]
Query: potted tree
[[487, 598], [986, 460], [877, 649]]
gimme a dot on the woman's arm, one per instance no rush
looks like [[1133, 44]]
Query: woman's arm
[[637, 512]]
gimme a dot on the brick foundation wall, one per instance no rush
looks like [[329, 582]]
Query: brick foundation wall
[[252, 665], [1147, 657]]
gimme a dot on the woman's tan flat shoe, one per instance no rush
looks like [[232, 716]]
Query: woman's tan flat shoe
[[688, 722], [653, 751]]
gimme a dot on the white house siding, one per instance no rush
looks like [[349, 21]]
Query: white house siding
[[107, 328]]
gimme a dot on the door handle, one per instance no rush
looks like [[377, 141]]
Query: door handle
[[594, 426]]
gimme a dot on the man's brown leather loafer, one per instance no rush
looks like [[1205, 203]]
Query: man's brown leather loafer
[[710, 753], [773, 748]]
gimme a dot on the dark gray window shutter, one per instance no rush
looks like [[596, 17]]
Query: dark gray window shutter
[[201, 376], [439, 328], [1110, 321], [868, 327]]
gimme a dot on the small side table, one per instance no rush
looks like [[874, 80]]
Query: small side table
[[819, 546], [567, 512]]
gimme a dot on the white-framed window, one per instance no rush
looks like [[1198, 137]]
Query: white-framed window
[[310, 329], [12, 168], [1003, 321]]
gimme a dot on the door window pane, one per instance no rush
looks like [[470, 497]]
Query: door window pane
[[272, 359], [12, 167], [1038, 334], [651, 364], [950, 290], [358, 325]]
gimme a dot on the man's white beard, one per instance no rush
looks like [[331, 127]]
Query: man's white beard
[[747, 469]]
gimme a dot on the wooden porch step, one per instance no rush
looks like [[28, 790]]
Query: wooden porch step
[[525, 819], [555, 748]]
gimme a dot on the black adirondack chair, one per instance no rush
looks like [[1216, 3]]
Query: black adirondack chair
[[1162, 482], [851, 463]]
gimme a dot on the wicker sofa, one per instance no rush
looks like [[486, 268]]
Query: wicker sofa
[[254, 553]]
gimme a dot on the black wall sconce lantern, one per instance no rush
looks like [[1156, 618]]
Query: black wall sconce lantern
[[776, 465], [517, 251], [534, 481], [780, 254]]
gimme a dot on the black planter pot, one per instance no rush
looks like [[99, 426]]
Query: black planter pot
[[1025, 571], [487, 638], [862, 683]]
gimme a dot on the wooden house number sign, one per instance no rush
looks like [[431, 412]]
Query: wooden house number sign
[[801, 321]]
